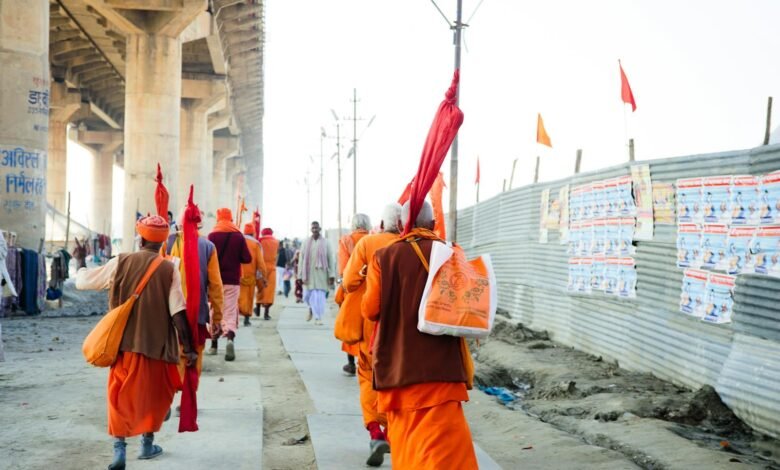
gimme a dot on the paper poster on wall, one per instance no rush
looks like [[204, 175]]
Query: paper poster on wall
[[575, 235], [576, 201], [611, 197], [598, 271], [643, 195], [664, 202], [744, 200], [612, 275], [627, 205], [713, 246], [689, 246], [625, 238], [740, 261], [765, 250], [583, 283], [719, 300], [598, 200], [689, 200], [563, 197], [544, 207], [574, 267], [585, 245], [770, 198], [586, 210], [597, 246], [716, 196], [627, 278], [694, 290], [611, 236]]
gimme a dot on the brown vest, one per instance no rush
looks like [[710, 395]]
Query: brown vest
[[150, 329], [402, 355]]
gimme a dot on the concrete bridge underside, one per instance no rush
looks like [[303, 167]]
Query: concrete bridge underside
[[179, 82]]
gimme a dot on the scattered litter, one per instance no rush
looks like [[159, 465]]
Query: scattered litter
[[528, 448], [503, 394], [221, 379], [294, 441]]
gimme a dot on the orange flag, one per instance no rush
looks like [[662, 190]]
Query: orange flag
[[541, 133], [625, 89], [438, 207]]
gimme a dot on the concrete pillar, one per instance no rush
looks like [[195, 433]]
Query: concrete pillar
[[103, 187], [24, 118], [57, 171], [218, 182], [152, 114], [207, 201], [192, 159], [64, 103]]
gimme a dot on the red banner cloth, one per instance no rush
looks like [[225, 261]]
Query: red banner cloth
[[161, 196], [188, 419], [444, 128], [625, 89]]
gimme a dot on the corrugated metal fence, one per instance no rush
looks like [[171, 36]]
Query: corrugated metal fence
[[649, 334]]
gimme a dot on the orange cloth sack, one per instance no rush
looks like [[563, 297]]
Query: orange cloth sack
[[101, 345], [349, 326], [460, 296], [340, 294]]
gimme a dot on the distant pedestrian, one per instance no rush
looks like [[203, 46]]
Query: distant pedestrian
[[317, 270], [270, 248], [232, 252], [282, 260], [252, 275]]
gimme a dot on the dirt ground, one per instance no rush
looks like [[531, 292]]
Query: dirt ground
[[634, 414], [571, 410]]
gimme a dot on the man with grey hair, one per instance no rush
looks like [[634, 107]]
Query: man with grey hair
[[361, 224], [356, 330], [420, 379]]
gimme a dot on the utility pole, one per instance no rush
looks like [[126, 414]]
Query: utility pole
[[354, 151], [338, 166], [453, 229], [322, 180]]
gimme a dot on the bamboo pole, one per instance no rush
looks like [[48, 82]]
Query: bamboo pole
[[536, 172], [768, 120]]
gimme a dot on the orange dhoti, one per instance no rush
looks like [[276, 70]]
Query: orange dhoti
[[246, 297], [266, 295], [140, 394], [424, 435]]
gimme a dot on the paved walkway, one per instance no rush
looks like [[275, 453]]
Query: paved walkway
[[340, 441], [230, 415]]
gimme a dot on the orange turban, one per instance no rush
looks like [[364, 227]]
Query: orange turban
[[249, 229], [224, 214], [267, 231], [152, 228]]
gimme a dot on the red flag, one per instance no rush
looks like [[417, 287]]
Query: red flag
[[476, 181], [188, 419], [161, 196], [443, 130], [625, 89], [405, 196]]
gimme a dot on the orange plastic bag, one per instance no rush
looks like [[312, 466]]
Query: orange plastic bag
[[101, 346], [460, 296], [349, 322]]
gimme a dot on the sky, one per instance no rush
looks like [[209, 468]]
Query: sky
[[701, 72]]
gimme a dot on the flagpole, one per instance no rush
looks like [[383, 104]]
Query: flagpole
[[478, 193], [625, 126]]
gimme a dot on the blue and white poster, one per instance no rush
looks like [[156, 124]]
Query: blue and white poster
[[694, 290], [625, 238], [627, 278], [611, 238], [689, 246], [612, 276], [765, 250], [598, 270], [744, 200], [713, 246], [598, 244], [689, 200], [719, 303], [716, 195], [599, 200], [770, 199], [739, 257]]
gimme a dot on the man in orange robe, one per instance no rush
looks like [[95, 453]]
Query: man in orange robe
[[252, 274], [265, 298], [420, 379], [144, 378], [355, 287], [360, 227]]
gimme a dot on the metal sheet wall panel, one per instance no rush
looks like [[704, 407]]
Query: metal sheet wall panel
[[648, 333]]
